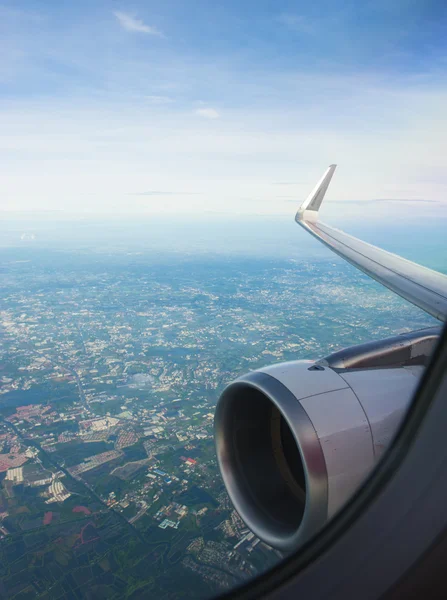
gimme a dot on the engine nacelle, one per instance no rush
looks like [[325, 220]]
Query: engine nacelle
[[295, 440]]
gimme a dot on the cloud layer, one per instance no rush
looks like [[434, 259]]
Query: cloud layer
[[229, 104], [208, 113], [131, 23]]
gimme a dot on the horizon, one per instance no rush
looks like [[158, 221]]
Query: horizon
[[263, 237]]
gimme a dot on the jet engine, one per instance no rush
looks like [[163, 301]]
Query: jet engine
[[295, 440]]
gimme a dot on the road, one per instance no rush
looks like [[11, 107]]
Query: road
[[35, 444], [61, 366], [139, 514]]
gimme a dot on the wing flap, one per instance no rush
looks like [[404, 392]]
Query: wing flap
[[423, 287]]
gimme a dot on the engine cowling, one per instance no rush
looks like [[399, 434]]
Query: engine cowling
[[295, 440]]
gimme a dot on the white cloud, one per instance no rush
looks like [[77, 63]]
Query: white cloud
[[85, 154], [208, 113], [131, 23], [159, 99], [297, 23]]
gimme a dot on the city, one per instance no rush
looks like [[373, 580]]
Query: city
[[110, 370]]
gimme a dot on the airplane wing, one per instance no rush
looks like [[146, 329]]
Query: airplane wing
[[423, 287]]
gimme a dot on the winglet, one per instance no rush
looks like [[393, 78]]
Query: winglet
[[308, 211]]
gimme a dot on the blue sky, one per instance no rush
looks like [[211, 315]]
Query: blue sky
[[221, 106]]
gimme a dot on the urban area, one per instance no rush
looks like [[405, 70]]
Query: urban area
[[110, 368]]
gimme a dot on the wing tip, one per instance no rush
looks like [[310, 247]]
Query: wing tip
[[308, 211]]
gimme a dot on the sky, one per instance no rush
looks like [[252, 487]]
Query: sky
[[223, 107]]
